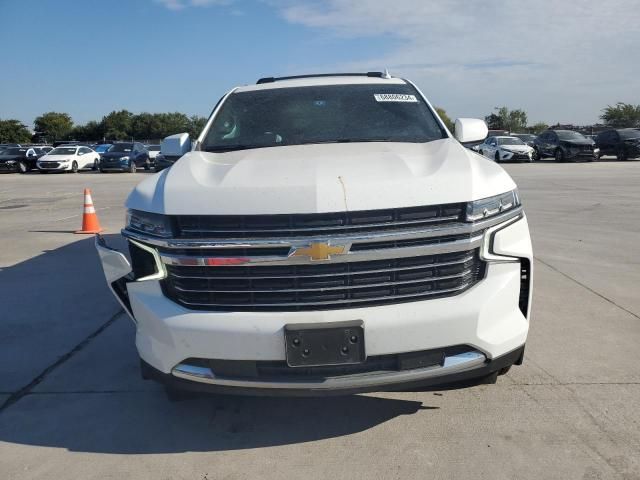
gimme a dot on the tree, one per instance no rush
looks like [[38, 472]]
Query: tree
[[442, 113], [91, 131], [118, 125], [54, 125], [494, 122], [197, 123], [621, 115], [511, 120], [14, 131], [538, 128]]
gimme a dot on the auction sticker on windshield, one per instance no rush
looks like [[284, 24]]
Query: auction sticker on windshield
[[395, 97]]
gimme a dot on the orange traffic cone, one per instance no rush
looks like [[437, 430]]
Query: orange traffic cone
[[90, 223]]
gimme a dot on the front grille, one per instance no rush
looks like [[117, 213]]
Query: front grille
[[323, 286], [300, 225], [50, 164]]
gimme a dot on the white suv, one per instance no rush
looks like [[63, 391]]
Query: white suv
[[326, 234]]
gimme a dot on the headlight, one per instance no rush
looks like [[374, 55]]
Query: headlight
[[64, 161], [10, 162], [492, 206], [151, 223], [124, 159]]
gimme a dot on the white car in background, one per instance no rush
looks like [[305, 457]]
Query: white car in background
[[506, 149], [68, 158], [154, 150]]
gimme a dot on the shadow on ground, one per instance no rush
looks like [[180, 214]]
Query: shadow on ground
[[147, 423], [81, 390]]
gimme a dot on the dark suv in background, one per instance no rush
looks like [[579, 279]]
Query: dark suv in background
[[624, 143], [565, 145], [125, 157], [19, 159]]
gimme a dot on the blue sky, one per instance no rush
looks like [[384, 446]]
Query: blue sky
[[88, 57]]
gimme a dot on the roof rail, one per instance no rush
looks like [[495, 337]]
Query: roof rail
[[384, 74]]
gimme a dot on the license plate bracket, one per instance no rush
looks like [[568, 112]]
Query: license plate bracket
[[315, 345]]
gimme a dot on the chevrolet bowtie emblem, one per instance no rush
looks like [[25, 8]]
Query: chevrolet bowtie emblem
[[319, 251]]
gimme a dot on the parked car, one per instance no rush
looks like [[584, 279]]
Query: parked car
[[68, 158], [506, 149], [18, 159], [527, 138], [624, 143], [565, 145], [328, 236], [125, 157], [154, 150], [42, 149]]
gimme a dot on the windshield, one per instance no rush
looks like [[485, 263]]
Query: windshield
[[13, 151], [63, 151], [154, 148], [526, 138], [322, 114], [568, 135], [120, 147], [102, 148], [629, 134], [510, 141]]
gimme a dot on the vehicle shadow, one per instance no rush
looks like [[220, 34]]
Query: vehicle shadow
[[79, 387]]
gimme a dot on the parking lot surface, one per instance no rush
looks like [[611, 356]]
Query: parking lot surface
[[74, 406]]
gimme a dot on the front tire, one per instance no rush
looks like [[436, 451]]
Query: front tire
[[74, 167], [23, 167], [497, 157], [132, 167], [621, 155], [559, 155]]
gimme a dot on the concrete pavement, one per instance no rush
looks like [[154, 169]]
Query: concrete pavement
[[569, 412]]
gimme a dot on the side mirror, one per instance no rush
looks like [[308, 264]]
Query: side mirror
[[175, 145], [470, 130]]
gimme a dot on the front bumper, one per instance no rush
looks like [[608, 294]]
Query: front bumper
[[491, 319], [9, 167]]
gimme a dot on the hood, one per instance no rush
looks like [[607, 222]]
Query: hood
[[517, 148], [55, 158], [4, 158], [321, 178]]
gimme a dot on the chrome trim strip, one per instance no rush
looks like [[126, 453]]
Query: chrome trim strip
[[330, 302], [382, 236], [452, 364], [338, 274], [323, 289], [365, 255], [486, 251], [161, 272]]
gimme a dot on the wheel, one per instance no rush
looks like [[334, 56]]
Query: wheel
[[74, 167], [132, 167], [497, 157], [559, 155], [147, 165], [102, 170], [537, 156], [621, 155], [95, 165], [23, 167]]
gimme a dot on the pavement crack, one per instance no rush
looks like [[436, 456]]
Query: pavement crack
[[586, 287], [26, 390]]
